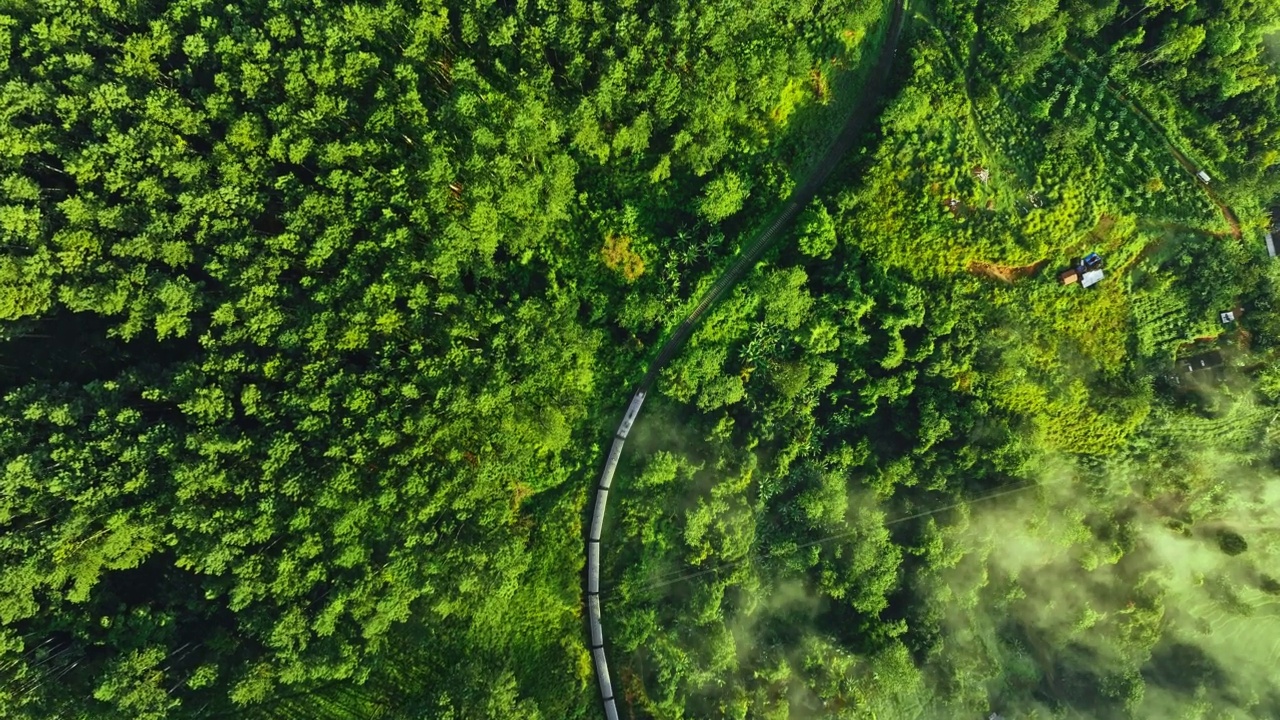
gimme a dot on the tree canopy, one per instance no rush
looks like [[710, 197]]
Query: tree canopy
[[315, 319]]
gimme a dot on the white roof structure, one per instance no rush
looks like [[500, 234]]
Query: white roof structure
[[1091, 278], [1227, 317], [1204, 177], [1271, 245]]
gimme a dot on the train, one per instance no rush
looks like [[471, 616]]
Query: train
[[593, 556]]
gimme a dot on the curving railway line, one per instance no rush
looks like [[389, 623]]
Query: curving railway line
[[877, 81]]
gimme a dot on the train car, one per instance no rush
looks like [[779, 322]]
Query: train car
[[593, 618], [593, 567], [633, 411], [602, 673], [597, 520], [611, 465]]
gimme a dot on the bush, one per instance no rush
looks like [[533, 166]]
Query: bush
[[817, 232], [1231, 543]]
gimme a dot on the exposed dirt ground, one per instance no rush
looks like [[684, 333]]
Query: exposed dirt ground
[[1005, 273]]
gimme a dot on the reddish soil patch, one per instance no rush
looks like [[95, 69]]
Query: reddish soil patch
[[1005, 273], [1229, 214]]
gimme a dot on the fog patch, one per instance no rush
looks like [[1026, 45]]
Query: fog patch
[[1076, 593]]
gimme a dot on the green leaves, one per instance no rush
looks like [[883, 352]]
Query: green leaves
[[817, 232], [136, 685], [305, 333], [723, 197]]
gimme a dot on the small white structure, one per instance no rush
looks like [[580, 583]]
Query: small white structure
[[1091, 278], [1227, 317], [1204, 177], [1271, 245]]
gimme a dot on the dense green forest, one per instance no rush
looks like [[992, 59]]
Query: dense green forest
[[316, 318]]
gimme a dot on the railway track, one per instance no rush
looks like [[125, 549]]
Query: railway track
[[848, 136]]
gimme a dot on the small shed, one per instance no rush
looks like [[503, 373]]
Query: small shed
[[1271, 245], [1227, 317], [1091, 278], [1204, 177], [1069, 276]]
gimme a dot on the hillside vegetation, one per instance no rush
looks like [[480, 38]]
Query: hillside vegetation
[[315, 319]]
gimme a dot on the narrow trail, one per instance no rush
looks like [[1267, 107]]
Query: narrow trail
[[854, 126]]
